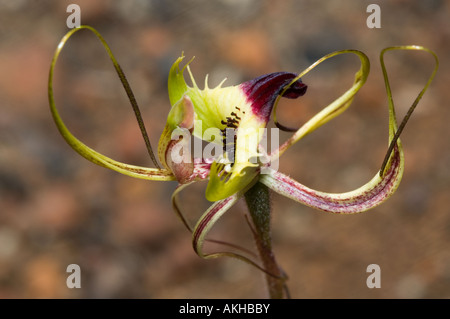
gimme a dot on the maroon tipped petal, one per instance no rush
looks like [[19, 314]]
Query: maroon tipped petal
[[262, 91]]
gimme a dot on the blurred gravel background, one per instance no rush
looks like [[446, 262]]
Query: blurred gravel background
[[57, 208]]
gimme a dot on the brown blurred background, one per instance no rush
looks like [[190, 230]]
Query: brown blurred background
[[57, 209]]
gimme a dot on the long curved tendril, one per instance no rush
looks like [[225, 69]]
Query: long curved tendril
[[332, 110], [390, 99], [199, 232], [384, 183], [85, 151], [207, 221]]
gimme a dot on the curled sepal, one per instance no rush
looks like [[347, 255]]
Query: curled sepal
[[384, 183], [394, 132], [362, 199], [207, 221], [87, 152], [329, 112]]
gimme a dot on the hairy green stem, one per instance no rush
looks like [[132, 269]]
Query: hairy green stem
[[258, 203]]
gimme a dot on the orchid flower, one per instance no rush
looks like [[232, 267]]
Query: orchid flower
[[241, 111]]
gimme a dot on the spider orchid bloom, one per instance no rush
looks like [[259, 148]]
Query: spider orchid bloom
[[231, 117], [245, 109]]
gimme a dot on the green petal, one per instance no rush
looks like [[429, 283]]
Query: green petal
[[176, 83], [223, 184]]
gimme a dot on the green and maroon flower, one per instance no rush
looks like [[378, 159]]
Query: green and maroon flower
[[245, 109], [236, 114]]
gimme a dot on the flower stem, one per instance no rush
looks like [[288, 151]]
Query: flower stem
[[258, 203]]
